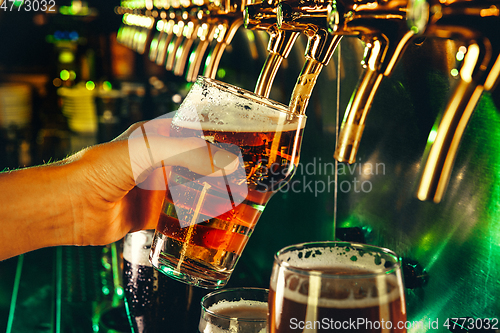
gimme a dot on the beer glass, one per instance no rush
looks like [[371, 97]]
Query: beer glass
[[336, 286], [206, 221], [238, 310]]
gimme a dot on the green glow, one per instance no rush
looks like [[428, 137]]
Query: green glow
[[105, 290], [250, 36], [119, 291], [170, 47], [432, 136], [95, 327], [454, 72], [90, 85], [64, 75], [221, 73], [72, 75], [66, 57], [107, 86], [460, 56], [18, 3], [154, 44]]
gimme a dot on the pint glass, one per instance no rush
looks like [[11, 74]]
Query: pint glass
[[238, 310], [336, 286], [206, 221]]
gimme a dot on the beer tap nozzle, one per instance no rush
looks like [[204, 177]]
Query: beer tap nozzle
[[262, 16], [477, 25], [384, 30], [226, 29], [309, 17]]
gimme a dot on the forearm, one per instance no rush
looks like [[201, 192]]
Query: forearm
[[37, 209]]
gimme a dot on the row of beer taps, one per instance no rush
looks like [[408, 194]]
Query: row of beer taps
[[188, 37]]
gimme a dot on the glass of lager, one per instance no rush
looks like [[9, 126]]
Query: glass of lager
[[238, 310], [206, 221], [336, 286]]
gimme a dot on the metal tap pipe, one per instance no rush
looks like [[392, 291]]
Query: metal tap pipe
[[383, 28], [226, 29], [476, 24], [309, 17], [262, 16]]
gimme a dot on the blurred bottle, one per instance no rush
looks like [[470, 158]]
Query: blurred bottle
[[155, 302]]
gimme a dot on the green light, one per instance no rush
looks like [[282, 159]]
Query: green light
[[64, 75], [454, 72], [221, 73], [90, 85], [72, 75], [460, 56], [106, 85], [95, 327], [432, 136], [250, 36], [66, 57], [119, 291], [105, 290], [18, 3]]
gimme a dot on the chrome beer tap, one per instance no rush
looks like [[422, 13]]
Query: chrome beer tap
[[225, 31], [383, 28], [476, 24], [190, 35], [218, 24], [175, 42], [262, 16], [311, 18]]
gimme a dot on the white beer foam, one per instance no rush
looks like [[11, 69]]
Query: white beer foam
[[238, 306], [233, 113], [337, 258]]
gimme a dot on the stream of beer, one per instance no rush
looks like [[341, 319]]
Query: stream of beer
[[337, 119]]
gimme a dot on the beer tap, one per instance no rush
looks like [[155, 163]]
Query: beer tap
[[164, 41], [221, 20], [226, 29], [205, 34], [476, 24], [175, 42], [383, 28], [311, 18], [262, 16], [190, 35]]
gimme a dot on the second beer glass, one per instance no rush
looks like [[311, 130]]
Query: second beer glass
[[206, 221], [336, 286]]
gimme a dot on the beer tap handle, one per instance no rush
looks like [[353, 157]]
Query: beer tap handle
[[477, 25], [354, 120], [280, 44], [384, 30], [164, 42], [320, 48], [225, 32], [263, 16], [176, 41], [205, 35], [181, 58]]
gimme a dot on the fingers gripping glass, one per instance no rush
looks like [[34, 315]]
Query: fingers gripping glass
[[206, 220]]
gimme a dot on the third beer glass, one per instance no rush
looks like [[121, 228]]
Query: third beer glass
[[336, 286], [206, 221]]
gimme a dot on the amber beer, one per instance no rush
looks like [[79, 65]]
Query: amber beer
[[267, 139], [336, 293]]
